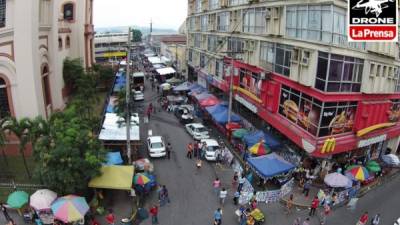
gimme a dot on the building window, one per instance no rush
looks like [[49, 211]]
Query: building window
[[237, 2], [250, 81], [212, 43], [337, 73], [67, 42], [60, 43], [197, 40], [192, 23], [223, 21], [68, 11], [254, 20], [324, 23], [219, 68], [276, 57], [198, 6], [204, 22], [235, 45], [4, 103], [202, 60], [190, 55], [3, 13], [213, 4]]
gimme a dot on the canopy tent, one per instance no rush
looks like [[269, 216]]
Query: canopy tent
[[239, 133], [114, 158], [165, 59], [252, 138], [155, 60], [210, 101], [222, 117], [270, 165], [159, 66], [174, 80], [216, 109], [166, 70], [194, 86], [203, 95], [113, 131], [114, 177], [185, 86]]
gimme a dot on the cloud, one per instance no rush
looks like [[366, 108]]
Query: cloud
[[163, 13]]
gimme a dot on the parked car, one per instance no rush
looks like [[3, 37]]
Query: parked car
[[138, 96], [197, 131], [183, 114], [156, 146], [212, 146]]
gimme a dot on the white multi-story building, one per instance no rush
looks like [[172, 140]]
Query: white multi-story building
[[35, 38], [298, 72]]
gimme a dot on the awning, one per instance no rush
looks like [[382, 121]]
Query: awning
[[270, 165], [222, 117], [113, 131], [114, 177], [183, 87], [216, 109], [203, 95], [155, 60], [252, 138], [165, 71], [210, 101], [174, 80]]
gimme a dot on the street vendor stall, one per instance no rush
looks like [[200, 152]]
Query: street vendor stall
[[252, 138], [114, 177]]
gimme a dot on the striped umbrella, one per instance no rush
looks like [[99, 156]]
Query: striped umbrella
[[359, 173], [70, 208], [259, 149], [140, 179]]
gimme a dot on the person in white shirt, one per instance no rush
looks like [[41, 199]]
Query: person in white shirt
[[222, 195]]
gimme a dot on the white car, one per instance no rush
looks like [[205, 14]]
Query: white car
[[212, 146], [138, 96], [397, 222], [156, 146], [197, 130]]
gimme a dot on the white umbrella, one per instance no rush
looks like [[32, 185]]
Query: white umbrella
[[42, 199], [337, 180], [391, 159]]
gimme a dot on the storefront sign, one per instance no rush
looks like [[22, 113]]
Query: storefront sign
[[371, 141], [246, 103]]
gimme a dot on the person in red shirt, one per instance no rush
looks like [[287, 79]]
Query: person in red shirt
[[189, 150], [110, 218], [363, 219], [154, 213], [314, 206]]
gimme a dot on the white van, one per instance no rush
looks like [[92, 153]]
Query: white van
[[212, 146]]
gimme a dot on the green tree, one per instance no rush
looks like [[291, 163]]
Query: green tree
[[104, 74], [136, 35], [72, 71], [20, 128], [70, 155], [3, 139]]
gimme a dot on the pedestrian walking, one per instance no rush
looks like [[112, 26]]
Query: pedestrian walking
[[165, 194], [203, 150], [158, 89], [216, 185], [376, 219], [314, 206], [189, 150], [196, 152], [236, 196], [306, 222], [218, 217], [289, 204], [243, 218], [198, 164], [218, 157], [222, 195], [306, 188], [154, 214], [169, 148], [5, 213], [235, 181], [324, 214], [241, 182], [297, 221], [110, 218], [363, 219]]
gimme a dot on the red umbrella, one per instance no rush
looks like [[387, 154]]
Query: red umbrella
[[209, 101]]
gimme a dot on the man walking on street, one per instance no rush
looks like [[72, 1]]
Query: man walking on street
[[110, 218], [196, 152], [314, 206], [218, 217], [222, 195], [376, 219], [169, 148], [5, 213], [306, 188], [164, 193], [154, 214], [363, 219], [241, 183], [189, 150]]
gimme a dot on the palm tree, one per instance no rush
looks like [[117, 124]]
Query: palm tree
[[21, 130]]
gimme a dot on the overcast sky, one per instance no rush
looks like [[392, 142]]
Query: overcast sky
[[164, 13]]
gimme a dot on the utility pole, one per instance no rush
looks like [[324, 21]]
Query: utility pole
[[128, 109]]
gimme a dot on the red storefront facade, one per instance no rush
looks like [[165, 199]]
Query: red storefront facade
[[321, 123]]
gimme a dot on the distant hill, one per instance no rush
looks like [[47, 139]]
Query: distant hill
[[144, 30]]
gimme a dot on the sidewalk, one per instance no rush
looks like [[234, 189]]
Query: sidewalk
[[299, 199]]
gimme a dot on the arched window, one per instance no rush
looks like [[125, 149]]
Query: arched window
[[60, 44], [67, 42], [68, 11], [4, 103]]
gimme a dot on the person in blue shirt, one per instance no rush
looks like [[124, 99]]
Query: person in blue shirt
[[218, 217]]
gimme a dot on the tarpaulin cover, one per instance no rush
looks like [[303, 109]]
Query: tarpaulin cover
[[183, 87], [252, 138], [210, 101], [114, 158], [216, 109], [203, 95], [270, 165], [114, 177], [222, 117], [110, 108]]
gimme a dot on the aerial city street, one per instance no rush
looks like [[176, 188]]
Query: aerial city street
[[195, 112]]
